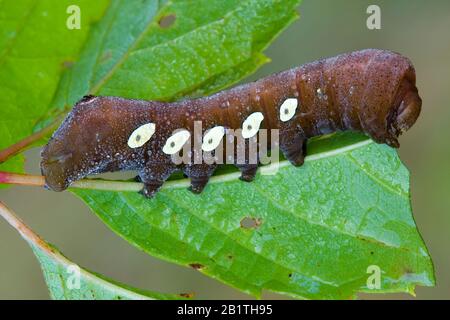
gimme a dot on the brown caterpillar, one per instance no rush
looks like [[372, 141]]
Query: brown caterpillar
[[370, 91]]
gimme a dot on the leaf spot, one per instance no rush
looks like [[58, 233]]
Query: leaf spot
[[188, 295], [67, 64], [167, 21], [196, 266], [250, 222]]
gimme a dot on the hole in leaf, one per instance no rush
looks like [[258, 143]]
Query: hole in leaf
[[167, 21], [250, 222]]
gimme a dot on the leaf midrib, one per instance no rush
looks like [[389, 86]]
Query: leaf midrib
[[182, 183], [376, 179], [337, 231]]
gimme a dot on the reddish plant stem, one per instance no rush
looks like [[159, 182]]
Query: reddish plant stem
[[22, 228], [22, 145], [21, 179]]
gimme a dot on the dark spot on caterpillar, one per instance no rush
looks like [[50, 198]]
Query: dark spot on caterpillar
[[167, 21], [196, 266], [250, 222], [369, 91]]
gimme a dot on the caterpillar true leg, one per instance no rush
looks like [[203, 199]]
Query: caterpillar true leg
[[153, 176], [294, 148], [199, 175], [248, 171], [151, 188]]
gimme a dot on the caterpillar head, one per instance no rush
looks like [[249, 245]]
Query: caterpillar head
[[407, 107], [408, 111], [393, 103]]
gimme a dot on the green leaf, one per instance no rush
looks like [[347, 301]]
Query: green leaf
[[209, 46], [68, 281], [310, 232], [35, 48]]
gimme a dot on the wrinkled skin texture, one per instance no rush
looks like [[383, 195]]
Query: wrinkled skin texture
[[370, 91]]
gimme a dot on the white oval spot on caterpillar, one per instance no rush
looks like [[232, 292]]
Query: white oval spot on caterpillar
[[212, 138], [251, 125], [287, 109], [141, 135], [175, 142]]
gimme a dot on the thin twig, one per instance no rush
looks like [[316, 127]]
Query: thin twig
[[97, 184], [22, 228], [22, 145]]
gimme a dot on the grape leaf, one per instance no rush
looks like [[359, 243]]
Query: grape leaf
[[35, 48], [311, 232], [68, 281]]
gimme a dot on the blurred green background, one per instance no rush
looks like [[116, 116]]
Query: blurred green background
[[418, 29]]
